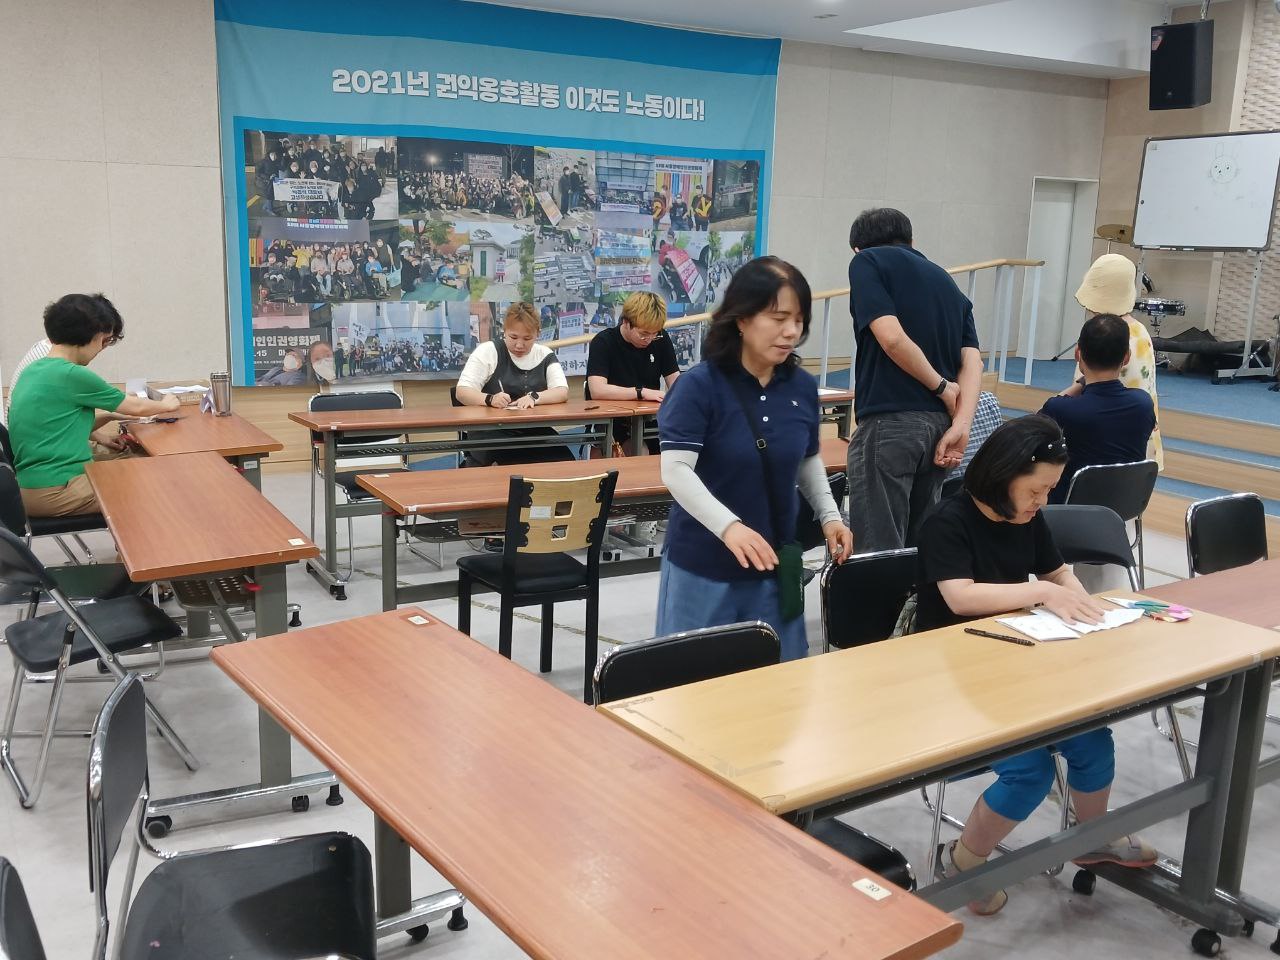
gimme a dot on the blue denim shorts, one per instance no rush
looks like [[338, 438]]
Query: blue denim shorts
[[687, 601]]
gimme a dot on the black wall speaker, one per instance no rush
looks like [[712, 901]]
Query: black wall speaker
[[1181, 65]]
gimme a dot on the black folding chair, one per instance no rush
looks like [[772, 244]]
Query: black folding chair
[[1225, 532], [1124, 487], [546, 519], [308, 896], [863, 597], [351, 449], [19, 936], [56, 641], [634, 669]]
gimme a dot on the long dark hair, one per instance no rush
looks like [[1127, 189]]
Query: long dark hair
[[1013, 450], [754, 289]]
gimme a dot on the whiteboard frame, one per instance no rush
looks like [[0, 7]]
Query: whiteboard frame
[[1205, 136]]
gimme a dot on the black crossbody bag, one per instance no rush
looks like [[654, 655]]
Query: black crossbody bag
[[790, 567]]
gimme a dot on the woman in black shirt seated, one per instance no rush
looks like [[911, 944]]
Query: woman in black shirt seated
[[977, 552]]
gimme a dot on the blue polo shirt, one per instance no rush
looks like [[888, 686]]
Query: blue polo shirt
[[1107, 423], [701, 413], [900, 281]]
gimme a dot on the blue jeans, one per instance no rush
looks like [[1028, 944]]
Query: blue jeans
[[1025, 780], [687, 601]]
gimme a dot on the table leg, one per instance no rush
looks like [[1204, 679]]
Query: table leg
[[1244, 769], [637, 435], [389, 571], [327, 572], [396, 908], [250, 468], [608, 437]]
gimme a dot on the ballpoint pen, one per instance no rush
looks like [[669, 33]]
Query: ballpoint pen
[[1020, 641]]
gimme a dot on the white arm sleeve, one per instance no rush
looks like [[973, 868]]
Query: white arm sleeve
[[480, 366], [688, 490], [814, 487]]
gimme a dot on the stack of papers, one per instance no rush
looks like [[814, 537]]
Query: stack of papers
[[1040, 624], [1171, 612]]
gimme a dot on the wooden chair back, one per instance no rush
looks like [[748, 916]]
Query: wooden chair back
[[558, 516]]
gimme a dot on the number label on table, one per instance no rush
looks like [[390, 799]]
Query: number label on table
[[871, 889]]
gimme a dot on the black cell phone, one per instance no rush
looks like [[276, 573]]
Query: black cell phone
[[166, 420]]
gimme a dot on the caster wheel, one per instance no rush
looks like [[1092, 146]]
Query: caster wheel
[[102, 667], [457, 921], [301, 804], [419, 933], [159, 827], [1206, 943], [335, 798], [1247, 929], [1083, 882], [339, 592], [1275, 947], [296, 619]]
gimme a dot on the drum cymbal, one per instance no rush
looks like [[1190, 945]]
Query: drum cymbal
[[1115, 232]]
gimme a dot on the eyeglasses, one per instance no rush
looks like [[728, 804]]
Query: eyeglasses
[[110, 341], [646, 336]]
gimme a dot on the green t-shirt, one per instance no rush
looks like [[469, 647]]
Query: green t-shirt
[[51, 415]]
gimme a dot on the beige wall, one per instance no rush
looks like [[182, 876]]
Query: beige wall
[[954, 145], [109, 166], [109, 177], [1191, 277]]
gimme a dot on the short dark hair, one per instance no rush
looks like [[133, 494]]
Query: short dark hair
[[1013, 450], [880, 227], [754, 289], [1104, 340], [76, 318]]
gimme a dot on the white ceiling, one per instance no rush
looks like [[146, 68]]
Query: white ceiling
[[1106, 38]]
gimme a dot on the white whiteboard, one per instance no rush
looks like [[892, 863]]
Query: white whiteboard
[[1214, 192]]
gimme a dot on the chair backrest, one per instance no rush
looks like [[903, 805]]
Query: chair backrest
[[6, 445], [359, 400], [808, 530], [1225, 532], [19, 936], [13, 515], [557, 516], [1087, 533], [18, 565], [863, 597], [1124, 487], [634, 669], [118, 785]]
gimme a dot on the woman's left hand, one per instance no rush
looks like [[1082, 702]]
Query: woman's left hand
[[524, 403], [839, 540]]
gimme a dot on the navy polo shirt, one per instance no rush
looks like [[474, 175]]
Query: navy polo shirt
[[701, 413], [1107, 423], [900, 281]]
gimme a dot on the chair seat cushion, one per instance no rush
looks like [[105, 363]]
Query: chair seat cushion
[[346, 479], [77, 523], [535, 572], [88, 581], [306, 896], [121, 624]]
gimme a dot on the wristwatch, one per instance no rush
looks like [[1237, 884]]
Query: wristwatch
[[488, 399], [639, 393], [941, 388], [534, 395]]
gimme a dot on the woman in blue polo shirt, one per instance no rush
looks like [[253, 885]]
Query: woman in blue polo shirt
[[721, 558]]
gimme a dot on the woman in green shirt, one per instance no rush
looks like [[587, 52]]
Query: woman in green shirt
[[55, 408]]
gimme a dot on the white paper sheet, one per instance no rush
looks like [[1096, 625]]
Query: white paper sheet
[[1040, 624]]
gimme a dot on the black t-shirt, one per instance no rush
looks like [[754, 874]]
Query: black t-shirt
[[899, 281], [957, 542], [621, 364]]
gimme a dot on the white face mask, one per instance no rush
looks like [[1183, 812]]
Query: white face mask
[[323, 369], [291, 362]]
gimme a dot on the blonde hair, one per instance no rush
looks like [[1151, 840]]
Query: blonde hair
[[522, 313], [645, 311]]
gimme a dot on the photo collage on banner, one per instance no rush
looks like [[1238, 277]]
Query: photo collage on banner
[[389, 194], [395, 256]]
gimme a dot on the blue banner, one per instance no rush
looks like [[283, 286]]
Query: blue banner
[[395, 175]]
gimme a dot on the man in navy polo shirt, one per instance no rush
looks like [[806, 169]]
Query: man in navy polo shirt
[[1103, 420], [918, 375]]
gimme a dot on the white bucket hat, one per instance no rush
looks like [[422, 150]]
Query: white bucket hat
[[1109, 285]]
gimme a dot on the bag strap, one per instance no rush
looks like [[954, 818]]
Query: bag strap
[[766, 464]]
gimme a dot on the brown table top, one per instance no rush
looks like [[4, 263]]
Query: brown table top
[[1250, 594], [831, 395], [806, 732], [427, 492], [197, 432], [191, 513], [576, 838], [447, 416]]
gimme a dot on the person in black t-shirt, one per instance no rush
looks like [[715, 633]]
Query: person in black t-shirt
[[634, 360], [977, 551]]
